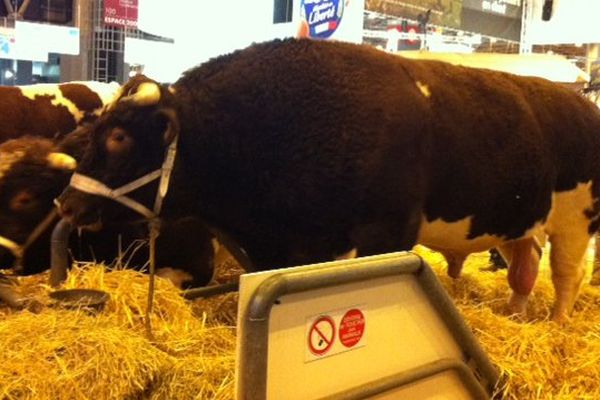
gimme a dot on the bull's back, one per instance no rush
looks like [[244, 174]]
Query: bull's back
[[302, 128], [503, 147]]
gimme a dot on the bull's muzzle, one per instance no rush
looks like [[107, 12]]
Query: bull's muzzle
[[77, 208]]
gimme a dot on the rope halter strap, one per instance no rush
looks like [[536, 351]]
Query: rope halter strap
[[92, 186], [15, 248], [18, 250]]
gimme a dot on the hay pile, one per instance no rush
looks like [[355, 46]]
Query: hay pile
[[60, 354], [64, 354], [541, 359]]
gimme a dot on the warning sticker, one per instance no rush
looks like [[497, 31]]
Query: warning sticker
[[352, 327], [321, 335], [334, 332]]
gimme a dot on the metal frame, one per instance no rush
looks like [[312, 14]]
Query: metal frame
[[254, 342], [413, 376]]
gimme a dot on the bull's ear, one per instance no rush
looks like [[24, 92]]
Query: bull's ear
[[172, 129], [61, 161]]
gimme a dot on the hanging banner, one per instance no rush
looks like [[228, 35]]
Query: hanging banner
[[330, 19], [442, 12], [320, 19], [121, 13]]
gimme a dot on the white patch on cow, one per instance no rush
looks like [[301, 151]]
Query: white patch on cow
[[8, 159], [176, 276], [31, 92], [453, 236], [106, 92], [423, 88], [441, 235], [567, 212]]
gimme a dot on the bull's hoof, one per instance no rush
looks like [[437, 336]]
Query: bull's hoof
[[517, 306], [177, 277], [561, 318]]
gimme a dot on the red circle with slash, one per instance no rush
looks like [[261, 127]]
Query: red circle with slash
[[321, 335]]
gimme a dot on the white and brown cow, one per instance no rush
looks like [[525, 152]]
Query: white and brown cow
[[51, 110], [300, 150]]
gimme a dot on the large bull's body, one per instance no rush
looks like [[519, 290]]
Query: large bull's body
[[301, 150]]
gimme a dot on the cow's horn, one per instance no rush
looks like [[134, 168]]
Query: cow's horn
[[147, 93], [61, 161]]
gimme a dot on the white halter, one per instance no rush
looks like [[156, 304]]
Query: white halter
[[92, 186]]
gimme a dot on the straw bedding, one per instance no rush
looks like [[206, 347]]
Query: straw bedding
[[66, 354]]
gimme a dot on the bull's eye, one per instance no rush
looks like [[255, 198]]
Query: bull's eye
[[21, 201], [119, 141]]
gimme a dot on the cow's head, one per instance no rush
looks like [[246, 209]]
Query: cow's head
[[32, 174], [127, 141]]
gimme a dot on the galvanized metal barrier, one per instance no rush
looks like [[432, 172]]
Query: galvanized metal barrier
[[296, 341]]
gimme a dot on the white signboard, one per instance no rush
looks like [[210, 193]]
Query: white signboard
[[31, 37], [571, 21], [11, 51], [147, 52]]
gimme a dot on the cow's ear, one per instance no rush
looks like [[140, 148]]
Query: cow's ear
[[172, 124]]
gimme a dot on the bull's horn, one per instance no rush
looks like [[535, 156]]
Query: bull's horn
[[147, 93], [61, 161]]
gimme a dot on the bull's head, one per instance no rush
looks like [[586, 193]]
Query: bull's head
[[32, 174], [128, 141]]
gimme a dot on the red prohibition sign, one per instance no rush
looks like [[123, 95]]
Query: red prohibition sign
[[321, 335]]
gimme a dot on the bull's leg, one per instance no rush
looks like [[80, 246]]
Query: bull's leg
[[523, 257], [567, 262], [455, 263]]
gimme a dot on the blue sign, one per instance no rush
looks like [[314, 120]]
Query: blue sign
[[322, 16]]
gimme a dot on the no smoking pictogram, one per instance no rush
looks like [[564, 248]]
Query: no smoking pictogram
[[321, 335]]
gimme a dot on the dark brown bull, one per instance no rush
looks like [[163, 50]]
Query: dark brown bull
[[302, 150]]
